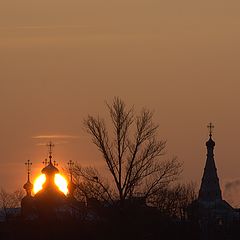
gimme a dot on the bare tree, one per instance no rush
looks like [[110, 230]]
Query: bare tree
[[132, 151], [9, 202], [90, 184], [17, 197]]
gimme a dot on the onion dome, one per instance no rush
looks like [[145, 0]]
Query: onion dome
[[28, 186], [50, 169], [210, 143]]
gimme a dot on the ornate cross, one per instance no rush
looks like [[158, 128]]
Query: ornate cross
[[50, 145], [28, 164], [210, 127]]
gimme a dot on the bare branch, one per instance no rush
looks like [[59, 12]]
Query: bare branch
[[91, 184], [133, 153]]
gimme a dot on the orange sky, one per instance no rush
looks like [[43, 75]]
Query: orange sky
[[60, 60]]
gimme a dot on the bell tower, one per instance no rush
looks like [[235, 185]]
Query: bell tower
[[210, 188]]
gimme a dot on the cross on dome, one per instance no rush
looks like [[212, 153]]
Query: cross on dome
[[28, 165], [210, 127], [50, 145]]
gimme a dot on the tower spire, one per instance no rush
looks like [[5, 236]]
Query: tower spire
[[28, 185], [210, 188]]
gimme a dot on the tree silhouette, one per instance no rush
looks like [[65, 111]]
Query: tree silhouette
[[10, 201], [132, 151], [90, 184]]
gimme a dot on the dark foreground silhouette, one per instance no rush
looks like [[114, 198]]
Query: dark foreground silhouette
[[137, 224]]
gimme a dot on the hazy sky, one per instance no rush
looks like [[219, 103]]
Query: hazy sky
[[60, 60]]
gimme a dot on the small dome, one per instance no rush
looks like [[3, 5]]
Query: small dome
[[28, 185], [50, 169], [210, 142]]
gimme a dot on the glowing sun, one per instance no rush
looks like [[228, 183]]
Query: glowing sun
[[59, 180]]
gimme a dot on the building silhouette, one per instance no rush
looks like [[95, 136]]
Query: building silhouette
[[49, 203], [210, 207]]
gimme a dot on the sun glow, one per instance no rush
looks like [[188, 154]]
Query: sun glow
[[40, 180], [59, 180]]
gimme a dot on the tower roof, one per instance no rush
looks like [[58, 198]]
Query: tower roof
[[50, 169], [210, 143], [210, 188], [28, 186]]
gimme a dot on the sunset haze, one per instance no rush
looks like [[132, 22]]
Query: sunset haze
[[61, 60]]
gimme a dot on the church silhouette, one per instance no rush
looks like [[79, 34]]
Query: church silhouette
[[210, 207], [49, 203]]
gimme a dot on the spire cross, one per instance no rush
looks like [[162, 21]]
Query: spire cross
[[50, 145], [28, 164], [210, 127]]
